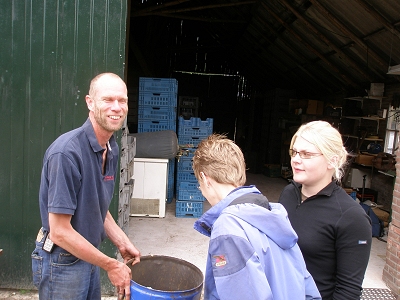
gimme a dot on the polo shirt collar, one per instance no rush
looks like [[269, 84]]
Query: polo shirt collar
[[88, 128]]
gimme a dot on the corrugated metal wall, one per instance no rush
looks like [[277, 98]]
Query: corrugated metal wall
[[49, 52]]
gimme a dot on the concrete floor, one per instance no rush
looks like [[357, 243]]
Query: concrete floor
[[176, 237]]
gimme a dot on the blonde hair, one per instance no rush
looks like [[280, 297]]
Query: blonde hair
[[221, 159], [328, 141]]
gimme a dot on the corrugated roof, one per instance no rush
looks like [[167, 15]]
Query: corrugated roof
[[322, 46]]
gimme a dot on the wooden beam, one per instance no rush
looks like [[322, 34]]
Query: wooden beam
[[351, 44], [311, 48], [186, 17], [272, 42], [156, 7], [211, 6], [377, 16], [327, 41], [174, 11], [350, 34]]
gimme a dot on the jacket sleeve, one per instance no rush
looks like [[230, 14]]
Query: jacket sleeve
[[311, 290], [237, 272], [353, 245]]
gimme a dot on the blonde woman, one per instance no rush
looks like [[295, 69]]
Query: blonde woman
[[334, 230], [252, 252]]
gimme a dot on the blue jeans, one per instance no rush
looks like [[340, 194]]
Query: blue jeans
[[60, 275]]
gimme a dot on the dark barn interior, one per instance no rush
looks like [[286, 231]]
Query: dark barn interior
[[261, 68], [245, 60]]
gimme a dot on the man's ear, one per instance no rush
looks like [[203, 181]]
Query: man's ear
[[89, 102]]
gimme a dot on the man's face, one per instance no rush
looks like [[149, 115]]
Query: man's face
[[110, 103]]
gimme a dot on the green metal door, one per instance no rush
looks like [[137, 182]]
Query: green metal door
[[49, 52]]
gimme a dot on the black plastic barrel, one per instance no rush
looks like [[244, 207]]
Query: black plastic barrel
[[157, 144], [165, 277]]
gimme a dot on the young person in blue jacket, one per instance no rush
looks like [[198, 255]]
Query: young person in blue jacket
[[253, 251], [334, 230]]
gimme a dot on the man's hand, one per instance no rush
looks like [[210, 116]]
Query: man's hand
[[131, 255], [120, 276]]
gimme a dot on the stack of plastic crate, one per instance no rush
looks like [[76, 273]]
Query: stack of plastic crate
[[127, 155], [189, 200], [157, 104]]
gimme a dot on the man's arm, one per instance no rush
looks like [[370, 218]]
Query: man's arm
[[65, 236], [120, 239]]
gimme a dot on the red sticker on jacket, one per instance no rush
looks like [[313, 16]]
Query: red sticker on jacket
[[220, 260]]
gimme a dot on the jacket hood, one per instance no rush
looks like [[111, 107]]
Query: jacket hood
[[205, 223], [274, 223]]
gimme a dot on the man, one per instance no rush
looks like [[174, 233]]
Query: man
[[253, 251], [76, 189]]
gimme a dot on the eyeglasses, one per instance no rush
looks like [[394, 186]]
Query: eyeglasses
[[303, 154]]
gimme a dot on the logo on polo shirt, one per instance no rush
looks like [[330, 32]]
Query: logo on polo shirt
[[108, 178]]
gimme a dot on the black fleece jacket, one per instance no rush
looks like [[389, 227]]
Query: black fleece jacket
[[334, 236]]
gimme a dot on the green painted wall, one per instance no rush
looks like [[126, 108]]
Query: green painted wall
[[49, 52]]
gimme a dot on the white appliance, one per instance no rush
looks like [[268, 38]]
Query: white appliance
[[150, 188], [355, 179]]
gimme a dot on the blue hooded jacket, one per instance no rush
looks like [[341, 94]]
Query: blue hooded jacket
[[253, 252]]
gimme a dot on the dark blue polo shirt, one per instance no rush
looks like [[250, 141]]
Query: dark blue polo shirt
[[72, 181]]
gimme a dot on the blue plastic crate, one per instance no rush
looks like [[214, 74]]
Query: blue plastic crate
[[165, 99], [148, 84], [185, 176], [196, 122], [188, 191], [170, 195], [185, 164], [170, 189], [193, 195], [156, 113], [171, 168], [195, 127], [189, 209], [159, 125], [190, 141], [187, 152], [171, 180], [199, 131]]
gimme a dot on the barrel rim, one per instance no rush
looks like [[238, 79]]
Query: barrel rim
[[146, 257]]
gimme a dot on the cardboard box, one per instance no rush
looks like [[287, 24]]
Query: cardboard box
[[364, 159], [306, 106], [315, 107], [377, 89], [382, 215]]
